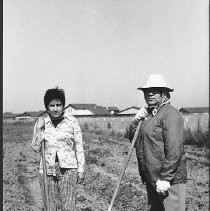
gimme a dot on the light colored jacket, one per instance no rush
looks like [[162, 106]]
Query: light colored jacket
[[65, 140]]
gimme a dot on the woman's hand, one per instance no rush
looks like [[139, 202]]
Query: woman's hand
[[80, 177]]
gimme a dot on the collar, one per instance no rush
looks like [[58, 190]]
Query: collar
[[155, 110], [47, 119], [65, 115]]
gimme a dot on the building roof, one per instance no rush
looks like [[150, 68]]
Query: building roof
[[81, 106], [195, 110], [31, 113], [97, 110], [113, 109], [134, 107], [9, 115], [130, 110], [100, 110]]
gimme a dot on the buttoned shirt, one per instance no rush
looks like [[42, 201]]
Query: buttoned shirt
[[65, 140]]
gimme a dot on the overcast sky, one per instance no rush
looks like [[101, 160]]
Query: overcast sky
[[100, 51]]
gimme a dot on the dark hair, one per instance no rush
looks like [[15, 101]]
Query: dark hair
[[52, 94], [161, 90], [166, 92]]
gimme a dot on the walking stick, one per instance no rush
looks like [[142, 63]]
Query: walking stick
[[125, 164], [47, 207]]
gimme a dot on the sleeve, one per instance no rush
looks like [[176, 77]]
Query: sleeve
[[138, 146], [36, 143], [79, 147], [132, 130], [173, 125]]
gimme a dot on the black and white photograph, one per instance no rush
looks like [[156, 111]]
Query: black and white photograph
[[105, 105]]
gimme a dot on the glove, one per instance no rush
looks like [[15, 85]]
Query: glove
[[162, 186], [142, 113]]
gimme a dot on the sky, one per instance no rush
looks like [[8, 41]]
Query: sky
[[101, 51]]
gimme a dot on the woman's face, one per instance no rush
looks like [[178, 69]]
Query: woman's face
[[55, 109], [154, 96]]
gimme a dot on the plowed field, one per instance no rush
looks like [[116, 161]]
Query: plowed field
[[104, 160]]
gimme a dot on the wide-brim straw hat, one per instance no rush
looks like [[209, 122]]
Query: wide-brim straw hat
[[156, 80]]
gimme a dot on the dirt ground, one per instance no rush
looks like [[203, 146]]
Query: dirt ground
[[104, 160]]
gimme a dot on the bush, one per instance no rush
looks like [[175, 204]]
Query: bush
[[109, 125], [98, 131], [85, 127], [198, 138], [127, 131]]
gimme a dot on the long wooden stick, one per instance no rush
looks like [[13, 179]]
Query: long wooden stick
[[125, 165], [47, 207]]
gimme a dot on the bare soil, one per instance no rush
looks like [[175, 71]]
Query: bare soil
[[104, 160]]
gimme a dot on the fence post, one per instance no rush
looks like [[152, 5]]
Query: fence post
[[199, 125], [187, 123]]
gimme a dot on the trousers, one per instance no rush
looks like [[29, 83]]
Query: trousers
[[61, 190], [174, 200]]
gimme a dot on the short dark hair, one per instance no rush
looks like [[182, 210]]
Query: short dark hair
[[52, 94], [161, 90], [166, 92]]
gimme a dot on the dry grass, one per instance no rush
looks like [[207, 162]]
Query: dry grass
[[192, 122]]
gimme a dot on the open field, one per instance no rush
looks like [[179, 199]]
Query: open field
[[105, 151]]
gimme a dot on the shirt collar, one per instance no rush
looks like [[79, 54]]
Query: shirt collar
[[65, 115], [155, 110], [47, 119]]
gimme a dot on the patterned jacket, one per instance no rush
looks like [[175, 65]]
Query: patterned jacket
[[65, 140]]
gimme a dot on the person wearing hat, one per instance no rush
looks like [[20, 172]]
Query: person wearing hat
[[64, 151], [159, 147]]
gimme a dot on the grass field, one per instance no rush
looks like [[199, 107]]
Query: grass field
[[105, 152]]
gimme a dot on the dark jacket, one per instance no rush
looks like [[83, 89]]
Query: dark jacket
[[159, 147]]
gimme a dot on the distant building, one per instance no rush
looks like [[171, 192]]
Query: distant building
[[9, 116], [77, 110], [129, 111], [29, 115], [194, 110], [87, 110], [113, 110]]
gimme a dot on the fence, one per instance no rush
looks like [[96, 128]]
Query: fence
[[193, 122], [116, 123], [196, 122]]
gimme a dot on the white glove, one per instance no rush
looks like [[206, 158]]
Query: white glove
[[142, 113], [162, 186]]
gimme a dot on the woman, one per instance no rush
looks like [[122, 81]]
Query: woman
[[159, 148], [63, 151]]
